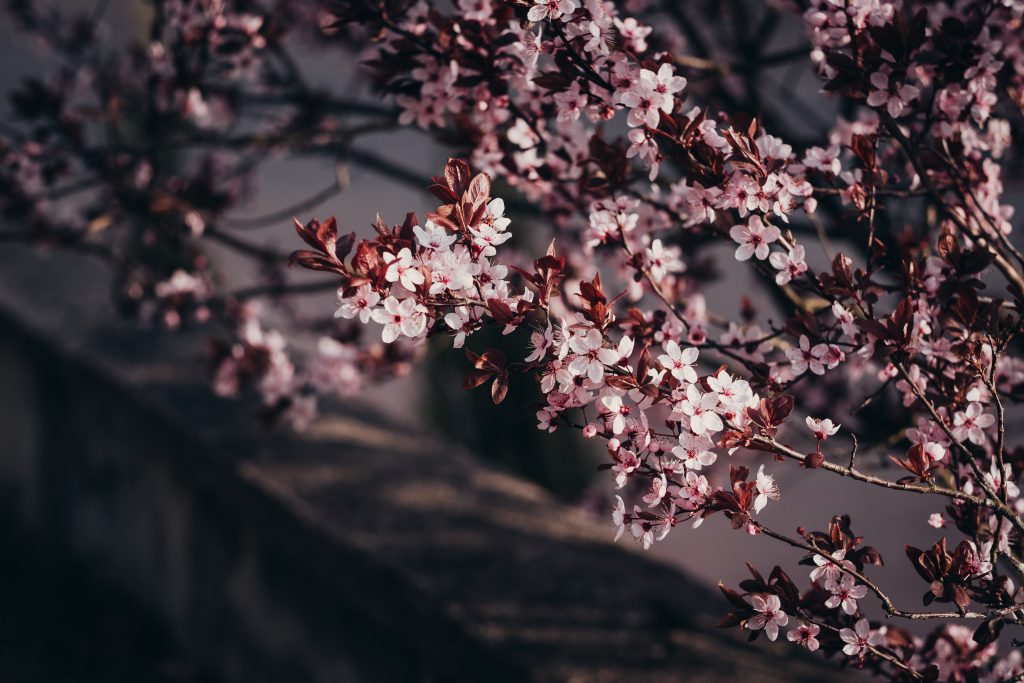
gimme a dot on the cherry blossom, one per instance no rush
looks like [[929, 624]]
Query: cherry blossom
[[769, 615], [405, 317], [552, 9], [733, 394], [358, 305], [845, 594], [872, 216], [970, 424], [805, 635], [462, 321], [890, 93], [860, 639], [618, 355], [808, 357], [664, 85], [821, 428], [643, 102], [790, 265], [753, 238], [615, 412], [700, 407], [657, 491], [433, 236], [767, 490], [663, 260], [620, 519], [679, 362], [695, 451], [402, 268]]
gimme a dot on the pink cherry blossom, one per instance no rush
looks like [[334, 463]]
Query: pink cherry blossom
[[549, 10], [805, 635], [891, 94], [790, 265], [970, 424], [821, 428], [700, 408], [767, 490], [405, 317], [695, 451], [620, 518], [845, 594], [769, 615], [860, 639], [679, 362], [403, 268], [753, 238], [358, 305]]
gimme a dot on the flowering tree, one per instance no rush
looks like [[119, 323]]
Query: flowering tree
[[872, 220]]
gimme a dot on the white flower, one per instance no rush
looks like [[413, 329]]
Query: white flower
[[496, 210], [806, 635], [642, 101], [695, 451], [619, 355], [403, 268], [663, 85], [767, 489], [359, 304], [633, 32], [433, 236], [648, 532], [614, 412], [570, 103], [970, 424], [893, 95], [663, 260], [586, 343], [753, 238], [552, 9], [626, 463], [860, 638], [772, 147], [822, 429], [540, 342], [829, 570], [981, 565], [679, 361], [790, 265], [657, 491], [400, 317], [733, 394], [487, 237], [769, 615], [807, 357], [993, 479], [845, 594], [700, 408], [619, 517], [462, 322], [845, 320]]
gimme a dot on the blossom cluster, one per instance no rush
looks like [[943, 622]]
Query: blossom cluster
[[887, 288]]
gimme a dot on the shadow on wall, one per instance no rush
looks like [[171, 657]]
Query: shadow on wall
[[57, 623]]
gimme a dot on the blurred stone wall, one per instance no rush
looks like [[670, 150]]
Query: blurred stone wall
[[360, 551]]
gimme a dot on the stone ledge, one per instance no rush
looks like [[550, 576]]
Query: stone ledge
[[361, 551]]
